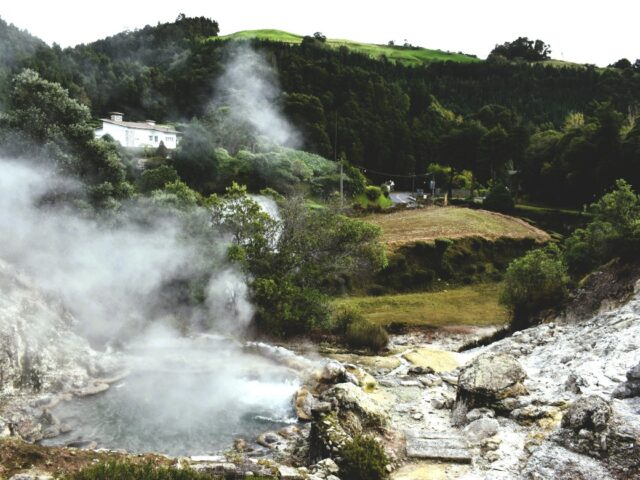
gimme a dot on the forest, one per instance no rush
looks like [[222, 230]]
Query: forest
[[567, 132]]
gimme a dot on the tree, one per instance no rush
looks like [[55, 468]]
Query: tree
[[459, 148], [196, 160], [45, 122], [291, 265], [622, 64], [523, 49], [495, 152], [534, 282]]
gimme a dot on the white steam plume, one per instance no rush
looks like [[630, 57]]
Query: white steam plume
[[250, 88], [111, 275]]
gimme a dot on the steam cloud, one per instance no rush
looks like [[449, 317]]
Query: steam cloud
[[111, 275], [250, 88]]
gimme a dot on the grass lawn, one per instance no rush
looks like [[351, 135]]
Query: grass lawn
[[475, 305], [428, 224], [406, 56]]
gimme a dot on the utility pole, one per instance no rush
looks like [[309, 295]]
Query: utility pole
[[335, 159]]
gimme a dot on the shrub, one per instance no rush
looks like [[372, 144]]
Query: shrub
[[157, 178], [373, 193], [534, 282], [589, 247], [364, 334], [131, 471], [499, 200], [344, 317], [363, 459]]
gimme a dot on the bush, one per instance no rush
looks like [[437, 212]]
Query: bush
[[534, 282], [363, 459], [344, 317], [362, 333], [156, 178], [131, 471], [373, 193], [499, 200]]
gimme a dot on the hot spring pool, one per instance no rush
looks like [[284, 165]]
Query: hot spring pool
[[184, 397]]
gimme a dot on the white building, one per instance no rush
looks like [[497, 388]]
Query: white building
[[137, 134]]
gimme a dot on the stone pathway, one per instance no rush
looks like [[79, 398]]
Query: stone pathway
[[438, 446]]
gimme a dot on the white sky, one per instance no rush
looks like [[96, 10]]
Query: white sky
[[588, 31]]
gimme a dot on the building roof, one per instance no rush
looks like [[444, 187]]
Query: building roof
[[142, 126]]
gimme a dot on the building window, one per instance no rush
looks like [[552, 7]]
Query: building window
[[155, 138], [169, 139], [151, 138]]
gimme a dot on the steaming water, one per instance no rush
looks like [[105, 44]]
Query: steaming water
[[193, 398], [268, 205]]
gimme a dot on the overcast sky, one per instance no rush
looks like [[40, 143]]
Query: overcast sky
[[585, 31]]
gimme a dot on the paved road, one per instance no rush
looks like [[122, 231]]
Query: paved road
[[401, 197]]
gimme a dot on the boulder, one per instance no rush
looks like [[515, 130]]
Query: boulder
[[303, 404], [289, 473], [352, 398], [607, 431], [551, 461], [333, 372], [630, 388], [480, 429], [488, 381], [587, 413]]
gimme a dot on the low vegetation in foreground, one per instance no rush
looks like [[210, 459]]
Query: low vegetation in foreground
[[132, 471]]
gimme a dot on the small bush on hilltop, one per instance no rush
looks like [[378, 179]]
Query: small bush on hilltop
[[614, 231], [372, 192], [534, 282], [363, 459], [499, 200]]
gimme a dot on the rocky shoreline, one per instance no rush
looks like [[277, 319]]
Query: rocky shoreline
[[559, 400]]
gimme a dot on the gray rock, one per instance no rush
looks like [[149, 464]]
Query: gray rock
[[489, 380], [589, 413], [630, 388], [353, 398], [435, 446], [554, 462], [222, 468], [333, 372], [574, 383], [328, 465], [477, 413], [480, 429], [289, 473], [31, 476]]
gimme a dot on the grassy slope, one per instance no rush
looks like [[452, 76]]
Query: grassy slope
[[406, 56], [428, 224], [471, 305]]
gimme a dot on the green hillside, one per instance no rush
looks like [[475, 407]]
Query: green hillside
[[411, 56]]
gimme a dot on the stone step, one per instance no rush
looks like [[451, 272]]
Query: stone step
[[438, 446]]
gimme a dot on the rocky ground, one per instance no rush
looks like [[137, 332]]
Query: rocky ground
[[557, 401]]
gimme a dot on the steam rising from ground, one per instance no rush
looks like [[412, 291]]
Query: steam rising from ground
[[112, 275], [249, 87], [184, 394]]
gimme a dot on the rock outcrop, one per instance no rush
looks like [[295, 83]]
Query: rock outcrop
[[630, 388], [488, 381], [41, 359]]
